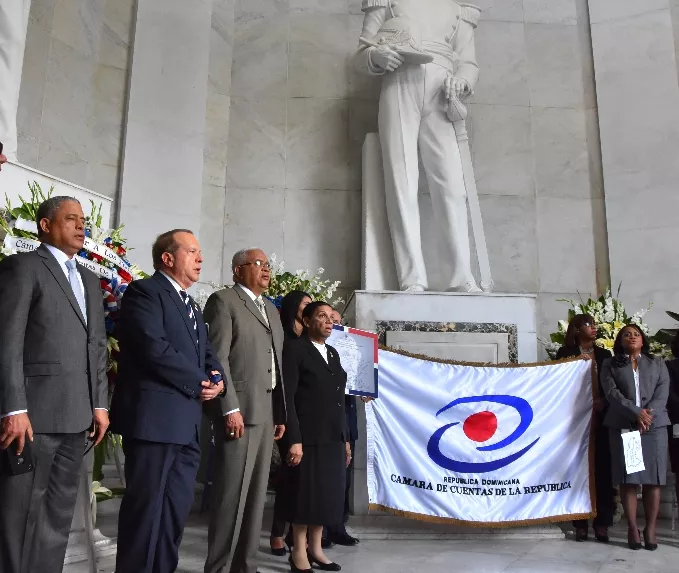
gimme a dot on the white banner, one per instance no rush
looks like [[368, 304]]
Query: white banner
[[498, 446], [26, 245]]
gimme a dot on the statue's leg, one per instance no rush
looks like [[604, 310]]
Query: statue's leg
[[443, 168], [399, 123], [13, 26]]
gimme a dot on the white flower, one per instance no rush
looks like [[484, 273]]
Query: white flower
[[321, 270]]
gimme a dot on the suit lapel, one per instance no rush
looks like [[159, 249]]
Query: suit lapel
[[181, 307], [59, 275], [90, 299], [645, 370], [251, 306], [627, 374], [317, 355]]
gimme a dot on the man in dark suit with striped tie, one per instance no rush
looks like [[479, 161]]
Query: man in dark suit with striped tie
[[166, 363]]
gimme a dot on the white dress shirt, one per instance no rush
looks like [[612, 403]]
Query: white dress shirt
[[61, 258], [637, 389], [323, 349]]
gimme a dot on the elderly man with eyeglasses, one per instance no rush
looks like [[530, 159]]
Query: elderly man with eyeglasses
[[247, 336]]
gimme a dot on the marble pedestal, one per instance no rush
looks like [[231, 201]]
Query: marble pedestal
[[490, 328]]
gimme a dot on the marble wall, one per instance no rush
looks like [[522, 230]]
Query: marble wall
[[635, 59], [297, 121], [74, 88]]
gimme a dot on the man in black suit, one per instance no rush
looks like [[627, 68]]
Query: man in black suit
[[166, 362], [53, 386]]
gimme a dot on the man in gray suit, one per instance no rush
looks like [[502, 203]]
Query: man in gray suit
[[246, 335], [53, 386]]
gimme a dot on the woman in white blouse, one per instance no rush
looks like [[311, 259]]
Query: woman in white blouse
[[636, 386]]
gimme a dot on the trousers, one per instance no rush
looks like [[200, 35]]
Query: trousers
[[412, 116], [36, 509]]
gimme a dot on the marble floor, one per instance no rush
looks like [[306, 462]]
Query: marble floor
[[485, 554]]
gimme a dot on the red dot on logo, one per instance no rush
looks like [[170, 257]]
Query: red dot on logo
[[480, 427]]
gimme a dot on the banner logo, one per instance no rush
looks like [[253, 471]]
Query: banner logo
[[481, 427]]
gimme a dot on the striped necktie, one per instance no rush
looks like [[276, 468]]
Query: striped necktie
[[189, 308]]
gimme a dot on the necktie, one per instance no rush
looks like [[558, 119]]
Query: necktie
[[189, 308], [260, 305], [76, 287]]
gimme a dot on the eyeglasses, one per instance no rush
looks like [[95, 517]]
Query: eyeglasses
[[258, 263]]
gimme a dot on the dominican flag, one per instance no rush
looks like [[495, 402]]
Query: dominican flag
[[491, 445]]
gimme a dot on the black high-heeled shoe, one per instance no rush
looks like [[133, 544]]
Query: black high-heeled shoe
[[580, 535], [322, 566], [634, 545], [648, 545], [601, 538], [296, 569], [279, 551]]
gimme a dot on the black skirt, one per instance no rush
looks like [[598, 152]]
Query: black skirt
[[313, 491]]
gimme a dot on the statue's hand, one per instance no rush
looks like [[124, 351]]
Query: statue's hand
[[385, 57], [456, 87]]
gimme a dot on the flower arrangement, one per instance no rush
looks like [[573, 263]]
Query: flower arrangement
[[282, 282], [610, 316]]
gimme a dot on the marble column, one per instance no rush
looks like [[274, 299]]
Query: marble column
[[165, 125], [638, 101]]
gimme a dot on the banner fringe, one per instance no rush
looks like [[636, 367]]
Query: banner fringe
[[476, 364], [480, 524]]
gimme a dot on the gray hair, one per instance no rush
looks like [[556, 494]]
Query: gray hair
[[49, 207], [241, 257]]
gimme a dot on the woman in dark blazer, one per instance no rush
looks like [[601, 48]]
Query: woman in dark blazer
[[636, 386], [673, 411], [317, 431], [579, 342], [292, 306]]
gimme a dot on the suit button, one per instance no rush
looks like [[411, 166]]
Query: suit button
[[269, 370], [340, 405], [268, 332], [269, 390]]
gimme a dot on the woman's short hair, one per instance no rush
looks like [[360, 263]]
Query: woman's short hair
[[574, 326], [619, 350], [289, 307]]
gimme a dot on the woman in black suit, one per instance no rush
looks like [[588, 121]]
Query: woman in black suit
[[636, 386], [317, 431], [292, 306], [580, 338]]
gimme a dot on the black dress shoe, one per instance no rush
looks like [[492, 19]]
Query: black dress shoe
[[345, 539], [633, 545], [580, 535], [296, 569], [601, 538], [323, 566], [327, 544], [648, 545]]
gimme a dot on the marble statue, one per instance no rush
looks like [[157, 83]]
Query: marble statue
[[424, 49], [13, 27]]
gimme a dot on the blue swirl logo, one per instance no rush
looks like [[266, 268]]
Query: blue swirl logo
[[480, 427]]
